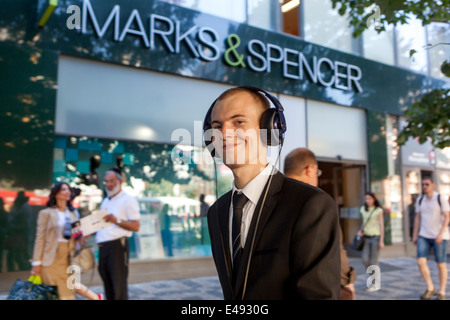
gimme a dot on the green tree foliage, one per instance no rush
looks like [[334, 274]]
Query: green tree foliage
[[429, 116], [391, 12]]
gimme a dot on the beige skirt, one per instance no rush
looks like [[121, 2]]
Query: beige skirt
[[56, 274]]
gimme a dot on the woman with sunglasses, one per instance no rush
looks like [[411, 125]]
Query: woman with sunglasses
[[373, 231], [54, 242]]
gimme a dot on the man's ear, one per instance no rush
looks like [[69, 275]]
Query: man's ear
[[309, 170]]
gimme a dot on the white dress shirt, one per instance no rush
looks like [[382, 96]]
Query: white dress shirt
[[124, 207], [253, 191], [61, 223]]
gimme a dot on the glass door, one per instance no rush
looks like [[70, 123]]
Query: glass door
[[349, 186]]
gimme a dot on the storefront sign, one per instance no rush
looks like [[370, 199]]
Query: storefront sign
[[415, 154], [158, 31], [159, 36]]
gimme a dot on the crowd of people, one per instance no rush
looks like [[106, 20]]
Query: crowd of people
[[258, 229]]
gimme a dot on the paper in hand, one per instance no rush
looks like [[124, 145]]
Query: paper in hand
[[94, 222]]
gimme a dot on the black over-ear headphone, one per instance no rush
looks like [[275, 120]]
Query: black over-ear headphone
[[272, 120]]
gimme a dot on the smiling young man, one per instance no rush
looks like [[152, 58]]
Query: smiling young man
[[289, 249]]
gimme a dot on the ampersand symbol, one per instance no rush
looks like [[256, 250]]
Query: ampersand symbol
[[234, 41]]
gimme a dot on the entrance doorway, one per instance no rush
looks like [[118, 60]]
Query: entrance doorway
[[347, 184]]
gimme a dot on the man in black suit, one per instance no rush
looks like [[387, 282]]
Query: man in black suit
[[290, 248]]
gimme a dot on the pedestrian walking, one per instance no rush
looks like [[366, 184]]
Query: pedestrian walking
[[373, 231], [431, 232], [54, 242], [123, 213]]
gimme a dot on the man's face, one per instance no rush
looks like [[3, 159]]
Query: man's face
[[235, 121], [111, 182], [427, 185]]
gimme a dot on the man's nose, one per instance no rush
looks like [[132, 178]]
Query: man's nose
[[227, 132]]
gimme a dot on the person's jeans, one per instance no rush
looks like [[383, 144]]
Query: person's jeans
[[424, 246], [371, 250]]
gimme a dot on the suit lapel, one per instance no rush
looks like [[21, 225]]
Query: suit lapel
[[269, 205], [223, 219], [54, 217]]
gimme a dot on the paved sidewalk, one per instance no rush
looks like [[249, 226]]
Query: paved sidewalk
[[400, 280]]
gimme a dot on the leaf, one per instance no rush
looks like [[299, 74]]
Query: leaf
[[445, 68]]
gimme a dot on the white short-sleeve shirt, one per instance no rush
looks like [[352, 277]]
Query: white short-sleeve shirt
[[124, 207], [431, 216]]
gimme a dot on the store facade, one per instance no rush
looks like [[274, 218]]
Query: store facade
[[127, 83]]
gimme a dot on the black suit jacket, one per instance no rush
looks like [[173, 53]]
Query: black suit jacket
[[296, 250]]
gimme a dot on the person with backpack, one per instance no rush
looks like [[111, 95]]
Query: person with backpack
[[431, 231]]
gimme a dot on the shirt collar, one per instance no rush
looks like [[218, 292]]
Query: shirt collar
[[255, 187], [117, 195]]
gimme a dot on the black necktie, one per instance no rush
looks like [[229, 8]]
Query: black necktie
[[239, 200]]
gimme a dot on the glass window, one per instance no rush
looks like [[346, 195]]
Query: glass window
[[379, 46], [324, 26], [438, 35], [173, 221], [100, 99], [444, 183], [294, 112], [336, 131], [411, 36], [392, 195], [231, 9], [290, 15], [263, 14]]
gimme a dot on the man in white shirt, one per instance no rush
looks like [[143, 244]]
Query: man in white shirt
[[123, 213], [431, 231]]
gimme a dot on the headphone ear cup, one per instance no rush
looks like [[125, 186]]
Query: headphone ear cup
[[268, 123]]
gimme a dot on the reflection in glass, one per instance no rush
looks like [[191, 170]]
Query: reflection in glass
[[379, 46], [411, 36], [172, 191], [439, 38], [324, 26], [230, 9], [393, 191], [444, 183], [263, 14]]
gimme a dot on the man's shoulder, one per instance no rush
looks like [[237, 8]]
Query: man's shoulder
[[125, 196], [226, 197]]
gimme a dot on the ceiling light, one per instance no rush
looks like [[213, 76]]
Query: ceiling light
[[290, 5]]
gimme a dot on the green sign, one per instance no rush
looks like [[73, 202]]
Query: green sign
[[168, 38]]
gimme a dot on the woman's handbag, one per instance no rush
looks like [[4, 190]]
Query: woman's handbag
[[358, 241], [33, 289], [84, 258]]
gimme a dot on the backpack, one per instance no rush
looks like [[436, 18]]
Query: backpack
[[439, 200]]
